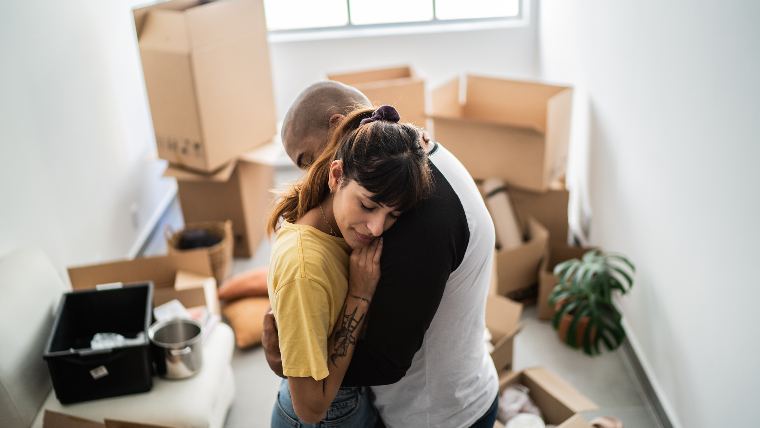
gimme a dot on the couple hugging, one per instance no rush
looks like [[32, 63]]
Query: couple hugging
[[378, 275]]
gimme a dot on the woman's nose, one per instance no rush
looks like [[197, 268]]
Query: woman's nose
[[375, 225]]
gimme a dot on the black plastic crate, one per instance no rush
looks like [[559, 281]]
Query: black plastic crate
[[80, 373]]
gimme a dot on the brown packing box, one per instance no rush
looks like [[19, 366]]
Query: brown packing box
[[518, 268], [59, 420], [208, 78], [557, 253], [186, 277], [240, 192], [396, 86], [559, 402], [549, 208], [503, 321], [514, 130]]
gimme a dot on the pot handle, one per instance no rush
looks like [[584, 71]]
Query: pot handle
[[177, 352]]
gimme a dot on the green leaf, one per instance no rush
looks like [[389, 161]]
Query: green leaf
[[623, 260]]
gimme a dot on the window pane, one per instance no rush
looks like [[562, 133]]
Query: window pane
[[457, 9], [387, 11], [290, 14]]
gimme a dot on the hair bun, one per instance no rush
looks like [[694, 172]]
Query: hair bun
[[386, 113]]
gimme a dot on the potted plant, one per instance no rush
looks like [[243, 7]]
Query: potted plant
[[585, 315]]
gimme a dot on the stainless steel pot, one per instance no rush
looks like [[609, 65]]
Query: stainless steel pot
[[178, 347]]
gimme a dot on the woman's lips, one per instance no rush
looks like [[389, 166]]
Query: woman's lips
[[365, 239]]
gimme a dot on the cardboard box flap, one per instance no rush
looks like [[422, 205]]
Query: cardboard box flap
[[141, 14], [161, 270], [445, 100], [220, 176], [165, 30], [502, 316], [190, 281], [576, 421], [374, 75], [558, 399], [510, 102], [216, 22], [53, 419], [183, 24], [112, 423]]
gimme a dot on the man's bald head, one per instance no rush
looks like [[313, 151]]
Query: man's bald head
[[317, 109]]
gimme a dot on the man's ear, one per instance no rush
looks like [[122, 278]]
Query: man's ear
[[336, 174], [335, 119]]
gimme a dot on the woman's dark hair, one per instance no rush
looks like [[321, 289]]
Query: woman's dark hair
[[382, 156]]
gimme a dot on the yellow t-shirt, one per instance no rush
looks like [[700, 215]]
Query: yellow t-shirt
[[308, 282]]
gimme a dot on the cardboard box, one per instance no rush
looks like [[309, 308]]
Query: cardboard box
[[548, 208], [514, 130], [208, 78], [53, 419], [186, 277], [518, 268], [556, 254], [396, 86], [559, 402], [240, 192], [503, 321]]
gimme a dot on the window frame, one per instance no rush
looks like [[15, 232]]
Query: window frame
[[400, 27]]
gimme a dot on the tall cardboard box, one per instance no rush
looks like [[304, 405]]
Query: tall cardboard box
[[240, 192], [518, 268], [514, 130], [559, 402], [208, 78], [396, 86]]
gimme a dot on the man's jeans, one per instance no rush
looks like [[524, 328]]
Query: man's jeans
[[351, 408]]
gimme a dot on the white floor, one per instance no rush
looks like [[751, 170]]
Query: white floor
[[608, 379]]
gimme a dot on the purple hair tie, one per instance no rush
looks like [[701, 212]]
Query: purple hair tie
[[386, 113]]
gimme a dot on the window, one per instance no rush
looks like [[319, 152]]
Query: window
[[313, 14]]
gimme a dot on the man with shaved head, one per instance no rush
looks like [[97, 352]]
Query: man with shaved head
[[423, 351]]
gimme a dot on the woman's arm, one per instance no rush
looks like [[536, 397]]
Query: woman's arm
[[312, 398]]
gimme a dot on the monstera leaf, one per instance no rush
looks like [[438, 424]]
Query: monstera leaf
[[583, 299]]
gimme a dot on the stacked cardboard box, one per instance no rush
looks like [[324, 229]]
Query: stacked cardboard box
[[396, 86], [514, 130], [208, 78], [241, 192]]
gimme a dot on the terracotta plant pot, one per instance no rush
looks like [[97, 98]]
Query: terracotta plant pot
[[564, 327]]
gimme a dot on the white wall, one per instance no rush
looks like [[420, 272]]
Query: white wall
[[76, 139], [436, 56], [672, 129]]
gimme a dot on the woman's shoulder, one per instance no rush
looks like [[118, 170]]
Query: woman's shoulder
[[305, 252]]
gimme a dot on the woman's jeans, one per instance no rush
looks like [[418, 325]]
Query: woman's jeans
[[351, 408]]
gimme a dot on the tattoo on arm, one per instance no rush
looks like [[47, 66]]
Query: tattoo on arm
[[345, 333]]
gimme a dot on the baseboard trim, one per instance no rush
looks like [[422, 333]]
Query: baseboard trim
[[654, 395], [149, 229]]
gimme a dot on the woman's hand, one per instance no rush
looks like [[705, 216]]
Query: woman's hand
[[364, 270]]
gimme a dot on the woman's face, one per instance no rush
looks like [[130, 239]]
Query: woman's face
[[359, 218]]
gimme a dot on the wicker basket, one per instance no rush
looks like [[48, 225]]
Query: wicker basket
[[220, 254]]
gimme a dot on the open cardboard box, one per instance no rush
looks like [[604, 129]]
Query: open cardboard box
[[396, 86], [503, 321], [208, 78], [559, 402], [59, 420], [557, 253], [518, 131], [241, 192], [518, 268], [549, 208], [186, 277]]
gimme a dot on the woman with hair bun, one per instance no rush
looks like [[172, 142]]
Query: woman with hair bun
[[325, 261]]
